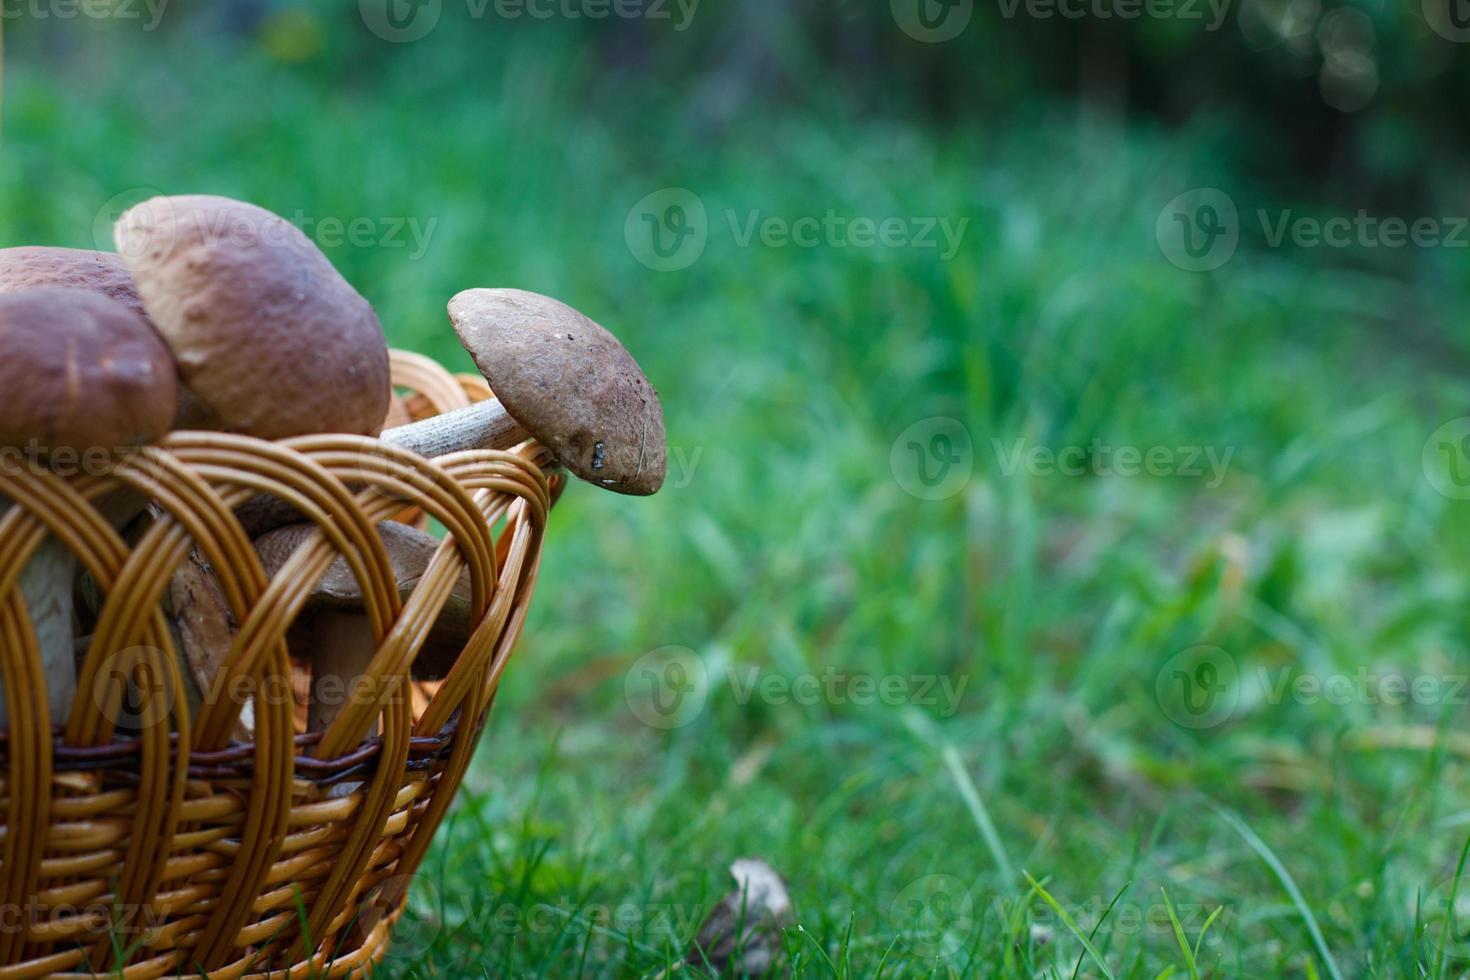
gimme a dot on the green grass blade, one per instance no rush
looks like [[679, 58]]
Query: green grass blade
[[924, 728], [1101, 919], [1200, 940], [1179, 936], [1444, 936], [1072, 926], [1269, 858]]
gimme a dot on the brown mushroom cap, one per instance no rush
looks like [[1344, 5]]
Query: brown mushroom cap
[[266, 332], [29, 266], [409, 552], [569, 383], [81, 372]]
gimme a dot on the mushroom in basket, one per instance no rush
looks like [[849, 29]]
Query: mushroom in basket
[[86, 378], [271, 340], [267, 334], [559, 378], [29, 266]]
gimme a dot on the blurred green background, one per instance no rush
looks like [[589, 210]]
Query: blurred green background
[[805, 382]]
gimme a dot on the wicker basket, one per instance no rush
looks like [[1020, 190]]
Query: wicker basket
[[175, 848]]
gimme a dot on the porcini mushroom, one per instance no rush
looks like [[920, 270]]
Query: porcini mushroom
[[87, 379], [334, 634], [31, 266], [267, 333], [559, 378], [196, 613]]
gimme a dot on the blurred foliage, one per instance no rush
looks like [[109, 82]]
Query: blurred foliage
[[1287, 83]]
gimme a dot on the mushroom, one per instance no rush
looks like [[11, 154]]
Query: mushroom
[[560, 378], [88, 380], [30, 266], [267, 333], [196, 613], [334, 629], [202, 625]]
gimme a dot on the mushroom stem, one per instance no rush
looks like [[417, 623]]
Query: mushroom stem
[[194, 606], [344, 648], [45, 585], [484, 425]]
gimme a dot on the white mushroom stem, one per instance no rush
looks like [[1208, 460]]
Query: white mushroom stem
[[484, 425], [45, 585]]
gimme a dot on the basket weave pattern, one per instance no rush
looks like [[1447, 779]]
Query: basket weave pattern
[[173, 848]]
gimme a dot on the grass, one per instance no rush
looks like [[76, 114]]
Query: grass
[[1042, 815]]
